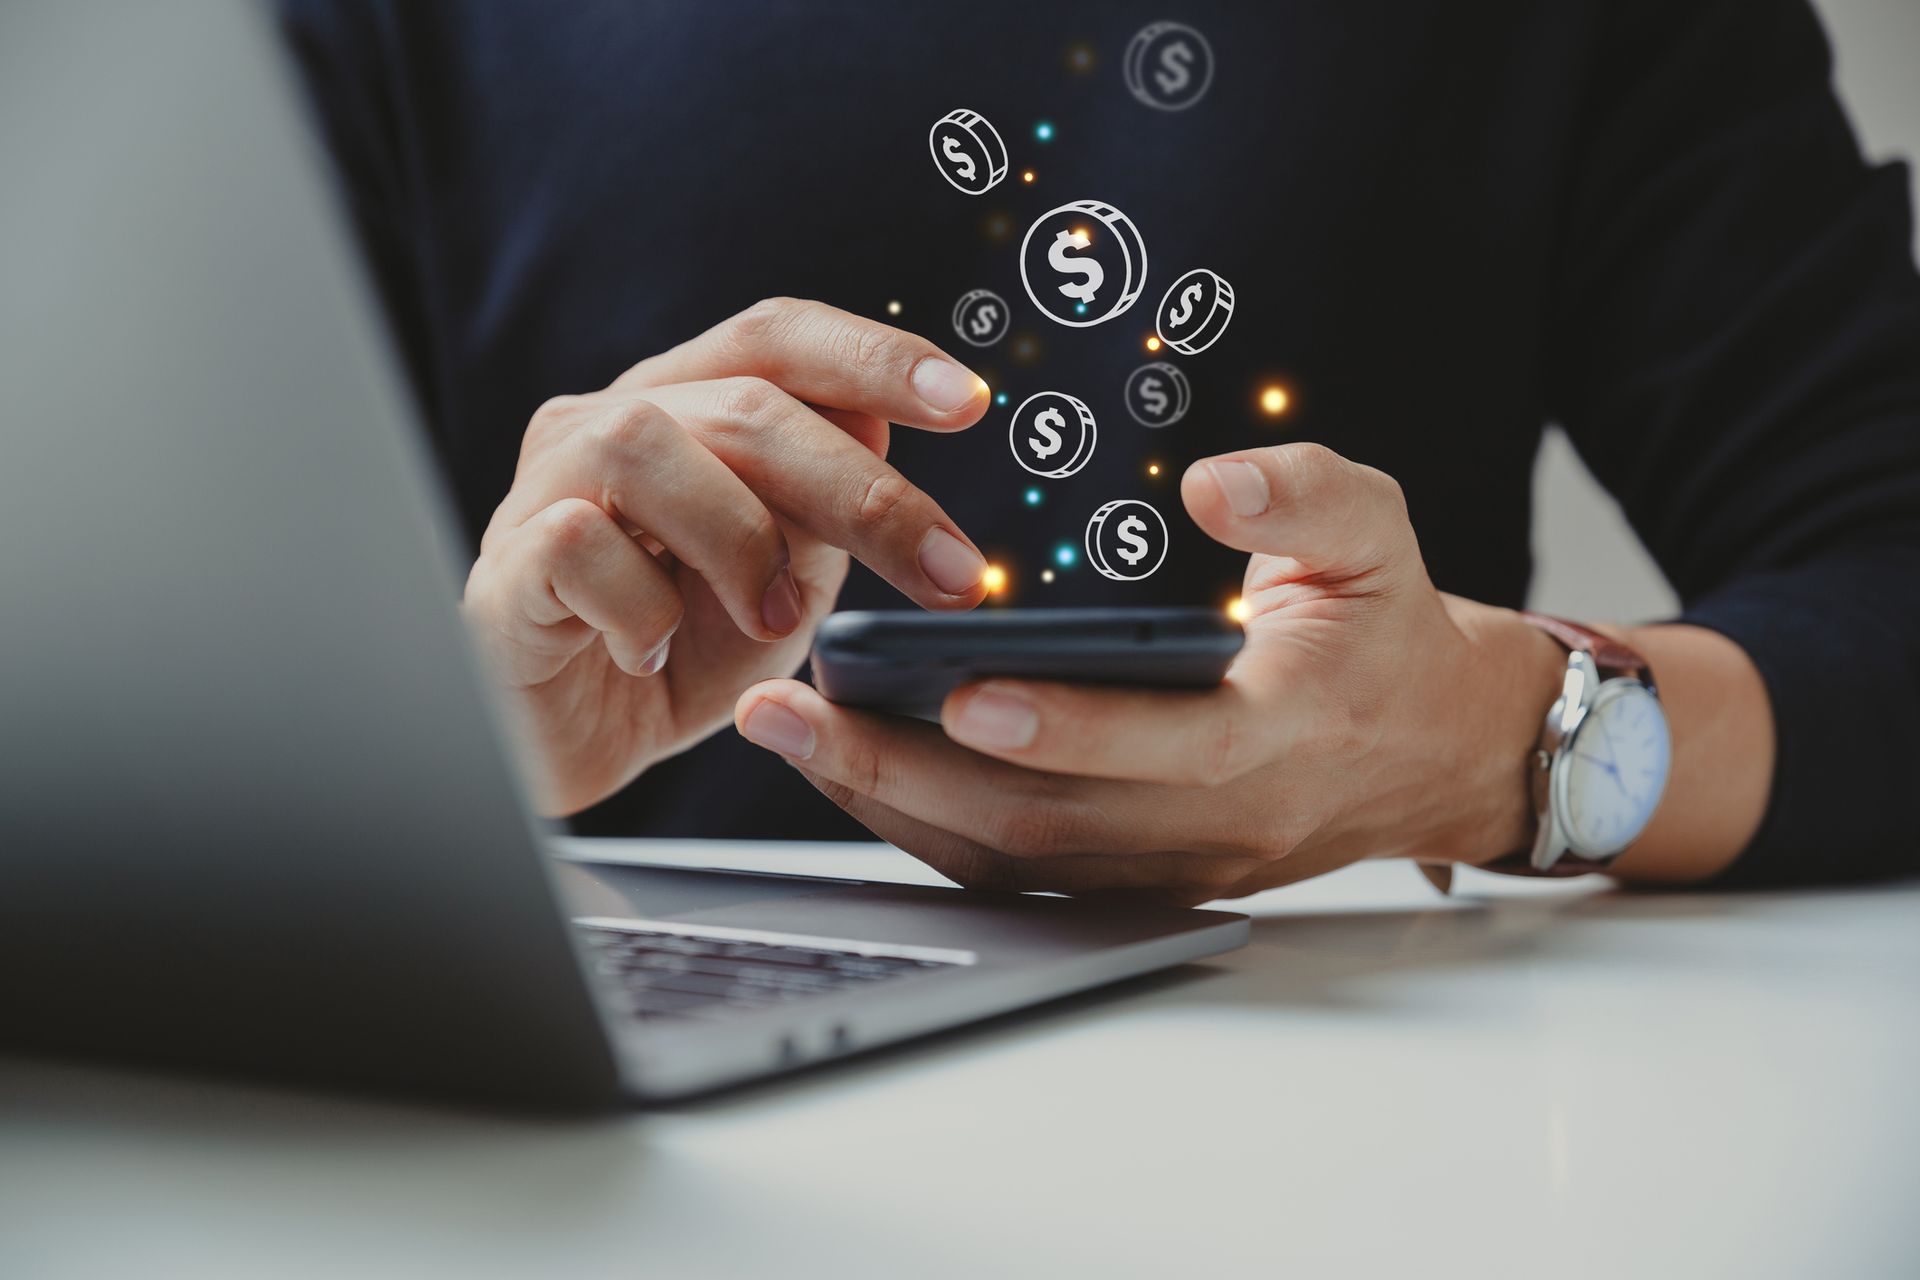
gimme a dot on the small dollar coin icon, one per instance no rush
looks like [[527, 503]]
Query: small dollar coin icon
[[1052, 434], [1126, 539], [1169, 65], [1083, 263], [1195, 311], [981, 317], [967, 151], [1158, 394]]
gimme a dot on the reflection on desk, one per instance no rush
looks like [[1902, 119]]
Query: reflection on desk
[[1527, 1079]]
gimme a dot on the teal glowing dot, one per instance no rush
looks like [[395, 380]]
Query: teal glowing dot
[[1044, 131], [1064, 555], [1033, 497], [1000, 398], [1080, 308]]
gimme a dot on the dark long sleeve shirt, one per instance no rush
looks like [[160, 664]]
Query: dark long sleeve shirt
[[1447, 225]]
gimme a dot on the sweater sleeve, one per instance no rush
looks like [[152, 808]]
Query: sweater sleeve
[[1736, 354]]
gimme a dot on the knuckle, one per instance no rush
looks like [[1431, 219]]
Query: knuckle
[[763, 319], [571, 527], [749, 399], [624, 433], [882, 500], [1307, 467], [870, 350]]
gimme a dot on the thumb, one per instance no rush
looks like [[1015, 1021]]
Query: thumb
[[1307, 503]]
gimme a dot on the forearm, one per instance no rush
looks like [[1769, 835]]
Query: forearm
[[1722, 733]]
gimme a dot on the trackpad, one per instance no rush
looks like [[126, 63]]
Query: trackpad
[[664, 893]]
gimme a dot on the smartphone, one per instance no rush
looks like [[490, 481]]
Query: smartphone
[[907, 661]]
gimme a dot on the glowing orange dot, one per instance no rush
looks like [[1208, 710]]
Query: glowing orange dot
[[994, 579], [1027, 176], [1237, 609], [1153, 344], [1153, 468], [1274, 401]]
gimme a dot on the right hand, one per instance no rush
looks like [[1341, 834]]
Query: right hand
[[709, 496]]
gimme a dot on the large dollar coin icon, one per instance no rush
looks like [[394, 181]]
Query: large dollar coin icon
[[1052, 434], [1126, 539], [1158, 394], [967, 151], [1083, 263], [1169, 66], [981, 317], [1194, 312]]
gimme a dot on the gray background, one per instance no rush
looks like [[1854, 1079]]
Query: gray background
[[1589, 565]]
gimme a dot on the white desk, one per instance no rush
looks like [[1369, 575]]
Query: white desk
[[1528, 1080]]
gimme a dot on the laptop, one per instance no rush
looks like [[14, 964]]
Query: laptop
[[256, 812]]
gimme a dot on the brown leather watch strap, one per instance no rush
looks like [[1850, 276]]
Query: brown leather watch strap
[[1610, 655]]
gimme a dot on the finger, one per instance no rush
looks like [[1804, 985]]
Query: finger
[[816, 475], [1185, 738], [572, 564], [1338, 519], [1185, 878], [827, 356], [637, 462], [913, 768], [873, 433]]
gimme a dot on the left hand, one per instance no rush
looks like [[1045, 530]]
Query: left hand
[[1367, 716]]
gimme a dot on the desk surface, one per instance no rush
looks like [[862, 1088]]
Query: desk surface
[[1528, 1079]]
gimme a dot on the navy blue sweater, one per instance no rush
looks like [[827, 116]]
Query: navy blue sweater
[[1448, 225]]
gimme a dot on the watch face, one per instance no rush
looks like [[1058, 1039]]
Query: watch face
[[1614, 769]]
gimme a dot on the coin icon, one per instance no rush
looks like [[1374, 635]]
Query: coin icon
[[1126, 539], [981, 317], [967, 151], [1052, 434], [1194, 312], [1158, 394], [1083, 263], [1168, 66]]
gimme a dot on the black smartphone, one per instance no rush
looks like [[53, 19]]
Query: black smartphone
[[907, 661]]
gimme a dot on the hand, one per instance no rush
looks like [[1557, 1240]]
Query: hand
[[1367, 716], [709, 497]]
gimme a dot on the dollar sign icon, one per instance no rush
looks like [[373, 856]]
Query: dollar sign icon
[[967, 151], [1050, 423], [1154, 396], [1060, 260], [962, 162], [1158, 394], [1052, 434], [1126, 540], [1174, 61], [1180, 62], [1195, 311], [981, 317], [1089, 254], [1188, 296]]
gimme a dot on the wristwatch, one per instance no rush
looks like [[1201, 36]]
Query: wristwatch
[[1602, 761]]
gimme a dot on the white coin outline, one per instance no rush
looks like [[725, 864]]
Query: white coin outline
[[1192, 345], [981, 295], [990, 141], [1098, 521], [1133, 64], [1183, 387], [1125, 232], [1083, 451]]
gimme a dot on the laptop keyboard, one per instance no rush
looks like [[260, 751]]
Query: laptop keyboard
[[688, 975]]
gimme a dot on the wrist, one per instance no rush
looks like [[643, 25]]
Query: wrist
[[1509, 673]]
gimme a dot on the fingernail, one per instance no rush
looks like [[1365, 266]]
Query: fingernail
[[945, 385], [1244, 486], [995, 717], [772, 726], [954, 566], [657, 659], [780, 607]]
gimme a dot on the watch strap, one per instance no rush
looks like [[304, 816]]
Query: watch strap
[[1613, 657]]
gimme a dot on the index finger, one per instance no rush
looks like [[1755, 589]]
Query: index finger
[[827, 356]]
